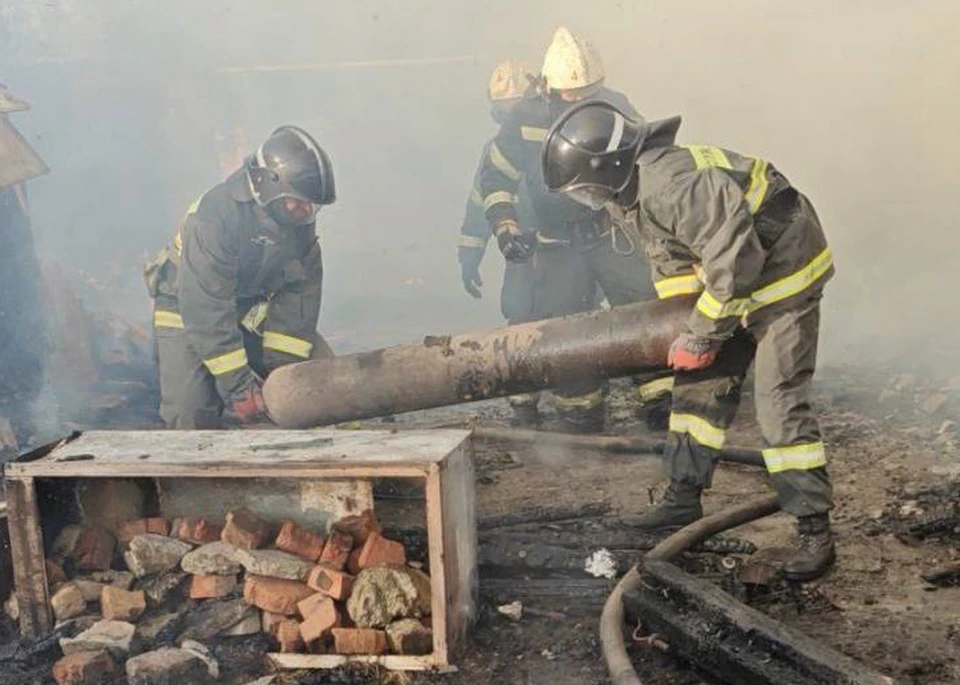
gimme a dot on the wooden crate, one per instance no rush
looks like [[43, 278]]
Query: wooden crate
[[440, 459]]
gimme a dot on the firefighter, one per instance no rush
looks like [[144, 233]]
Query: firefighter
[[508, 83], [574, 249], [238, 294], [734, 231]]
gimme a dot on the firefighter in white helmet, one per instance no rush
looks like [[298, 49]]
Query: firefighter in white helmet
[[574, 250], [508, 83]]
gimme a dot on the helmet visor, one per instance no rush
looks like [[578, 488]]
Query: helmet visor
[[594, 197], [568, 166]]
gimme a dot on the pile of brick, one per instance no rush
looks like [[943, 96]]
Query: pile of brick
[[186, 583]]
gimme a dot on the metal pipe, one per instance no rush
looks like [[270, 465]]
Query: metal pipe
[[445, 370]]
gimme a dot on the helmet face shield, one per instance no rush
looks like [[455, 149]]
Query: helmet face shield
[[289, 210], [594, 197]]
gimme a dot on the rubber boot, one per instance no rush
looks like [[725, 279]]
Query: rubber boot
[[680, 507], [813, 552]]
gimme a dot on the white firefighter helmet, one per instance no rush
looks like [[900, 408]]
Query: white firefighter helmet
[[508, 81], [571, 62]]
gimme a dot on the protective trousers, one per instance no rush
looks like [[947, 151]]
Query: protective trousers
[[783, 347], [565, 282], [516, 305]]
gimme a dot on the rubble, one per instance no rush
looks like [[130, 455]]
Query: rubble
[[122, 605], [319, 618], [90, 589], [121, 579], [274, 564], [409, 636], [55, 573], [513, 610], [201, 652], [337, 550], [333, 583], [161, 590], [212, 617], [68, 602], [275, 595], [167, 666], [215, 558], [196, 531], [11, 608], [248, 625], [85, 668], [359, 641], [93, 549], [299, 541], [288, 635], [212, 587], [114, 636], [379, 551], [159, 628], [359, 527], [151, 554], [129, 530], [245, 530], [382, 595]]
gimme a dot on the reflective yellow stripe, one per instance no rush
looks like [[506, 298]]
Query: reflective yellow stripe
[[688, 284], [498, 197], [786, 287], [654, 389], [225, 363], [698, 429], [502, 163], [795, 457], [758, 185], [794, 283], [709, 157], [166, 319], [533, 133], [471, 241], [178, 243], [588, 401], [255, 317], [298, 347], [475, 197], [192, 209], [712, 308]]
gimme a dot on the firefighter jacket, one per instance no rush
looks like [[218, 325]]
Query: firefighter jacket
[[475, 231], [513, 158], [729, 227], [233, 267]]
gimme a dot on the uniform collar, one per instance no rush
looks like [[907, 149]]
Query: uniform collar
[[238, 185], [660, 134]]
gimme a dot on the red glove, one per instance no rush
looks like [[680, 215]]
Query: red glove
[[249, 406], [691, 352]]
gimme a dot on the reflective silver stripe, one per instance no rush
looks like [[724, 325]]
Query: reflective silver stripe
[[617, 135], [472, 241], [498, 197], [533, 133], [795, 457], [503, 164], [475, 197], [255, 317]]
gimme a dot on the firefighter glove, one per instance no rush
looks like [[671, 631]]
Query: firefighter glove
[[515, 245], [249, 406], [470, 270], [693, 352]]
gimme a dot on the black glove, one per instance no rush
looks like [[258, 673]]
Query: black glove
[[515, 245], [470, 270], [248, 405]]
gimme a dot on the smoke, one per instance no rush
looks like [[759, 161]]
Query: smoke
[[139, 106]]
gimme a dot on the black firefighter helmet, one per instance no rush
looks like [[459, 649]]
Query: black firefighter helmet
[[590, 154], [290, 164]]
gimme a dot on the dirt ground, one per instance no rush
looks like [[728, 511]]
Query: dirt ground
[[889, 439]]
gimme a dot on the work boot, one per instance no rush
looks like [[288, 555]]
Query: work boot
[[680, 507], [813, 551], [525, 415]]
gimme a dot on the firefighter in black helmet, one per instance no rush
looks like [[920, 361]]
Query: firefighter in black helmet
[[732, 230], [238, 293]]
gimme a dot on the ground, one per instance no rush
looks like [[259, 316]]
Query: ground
[[889, 440]]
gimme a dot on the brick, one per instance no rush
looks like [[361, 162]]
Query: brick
[[288, 635], [379, 551], [85, 668], [131, 529], [68, 602], [270, 620], [330, 581], [320, 617], [93, 550], [122, 605], [165, 666], [212, 586], [410, 636], [245, 530], [275, 595], [359, 527], [197, 531], [337, 549], [300, 541], [55, 573], [359, 641]]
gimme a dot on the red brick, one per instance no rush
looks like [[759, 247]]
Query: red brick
[[85, 668], [359, 641], [270, 621], [275, 595], [359, 527], [379, 551], [353, 562], [337, 549], [131, 529], [245, 530], [211, 587], [93, 550], [330, 582], [288, 635], [320, 617], [196, 531], [122, 605], [300, 541], [55, 574]]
